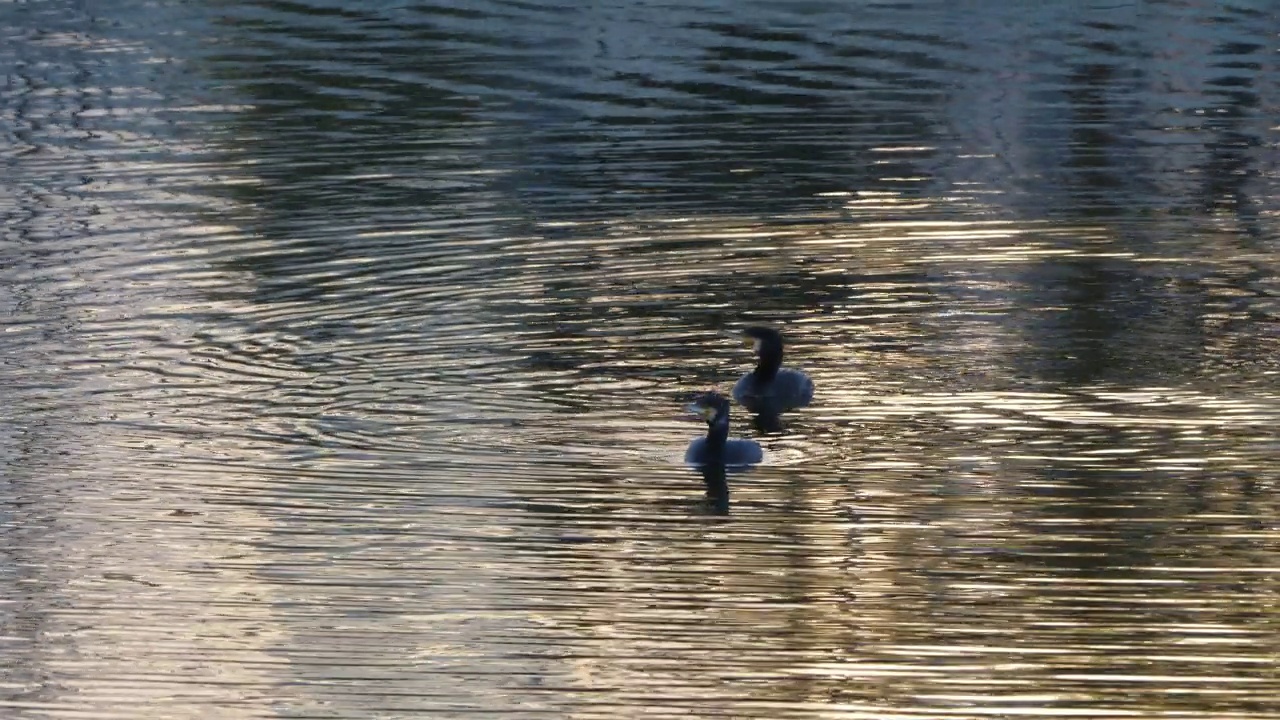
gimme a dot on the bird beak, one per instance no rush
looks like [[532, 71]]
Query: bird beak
[[699, 410], [740, 336]]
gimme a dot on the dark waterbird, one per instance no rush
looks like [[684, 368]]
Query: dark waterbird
[[770, 388], [716, 448]]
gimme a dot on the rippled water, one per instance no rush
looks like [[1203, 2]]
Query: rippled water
[[345, 346]]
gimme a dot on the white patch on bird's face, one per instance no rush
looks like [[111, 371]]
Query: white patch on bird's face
[[755, 346], [701, 411]]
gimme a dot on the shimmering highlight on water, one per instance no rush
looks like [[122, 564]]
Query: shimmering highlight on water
[[345, 345]]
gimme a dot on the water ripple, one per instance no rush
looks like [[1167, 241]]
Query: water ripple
[[345, 350]]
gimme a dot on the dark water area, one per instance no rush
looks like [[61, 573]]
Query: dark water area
[[345, 346]]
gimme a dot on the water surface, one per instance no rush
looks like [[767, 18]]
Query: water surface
[[345, 346]]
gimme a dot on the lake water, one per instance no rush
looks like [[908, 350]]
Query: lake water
[[345, 345]]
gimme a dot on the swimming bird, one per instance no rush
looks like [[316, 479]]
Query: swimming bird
[[716, 448], [771, 388]]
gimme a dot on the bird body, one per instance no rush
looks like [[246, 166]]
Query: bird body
[[788, 390], [733, 452]]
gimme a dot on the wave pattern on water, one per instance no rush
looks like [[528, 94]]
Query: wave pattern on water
[[345, 348]]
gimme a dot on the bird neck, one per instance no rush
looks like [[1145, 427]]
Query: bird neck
[[768, 364], [717, 436]]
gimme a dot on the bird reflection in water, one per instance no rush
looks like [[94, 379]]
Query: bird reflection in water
[[717, 501]]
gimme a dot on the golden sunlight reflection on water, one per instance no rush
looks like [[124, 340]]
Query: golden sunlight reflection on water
[[344, 384]]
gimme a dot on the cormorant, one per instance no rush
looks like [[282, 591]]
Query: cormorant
[[716, 448], [770, 388]]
